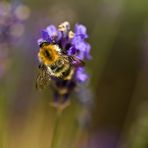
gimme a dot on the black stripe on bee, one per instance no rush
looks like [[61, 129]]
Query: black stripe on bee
[[58, 66], [67, 72], [62, 73]]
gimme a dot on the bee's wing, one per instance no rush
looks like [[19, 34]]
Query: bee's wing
[[43, 77], [76, 62]]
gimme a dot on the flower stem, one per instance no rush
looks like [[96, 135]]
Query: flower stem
[[54, 142]]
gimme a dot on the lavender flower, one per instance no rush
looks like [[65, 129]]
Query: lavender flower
[[70, 44]]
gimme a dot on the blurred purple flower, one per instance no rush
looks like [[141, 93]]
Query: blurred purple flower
[[81, 75], [11, 22], [11, 29]]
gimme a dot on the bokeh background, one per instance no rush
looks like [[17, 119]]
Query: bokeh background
[[118, 118]]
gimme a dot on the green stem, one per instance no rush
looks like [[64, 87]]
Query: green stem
[[54, 142]]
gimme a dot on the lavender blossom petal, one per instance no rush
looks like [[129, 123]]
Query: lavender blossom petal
[[76, 40], [71, 51], [53, 33], [83, 48], [45, 35], [80, 30], [40, 41], [81, 76], [51, 30]]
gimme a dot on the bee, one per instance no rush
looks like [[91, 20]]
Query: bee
[[55, 64]]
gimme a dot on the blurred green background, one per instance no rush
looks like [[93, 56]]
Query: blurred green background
[[118, 34]]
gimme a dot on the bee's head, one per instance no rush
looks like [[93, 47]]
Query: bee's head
[[47, 53]]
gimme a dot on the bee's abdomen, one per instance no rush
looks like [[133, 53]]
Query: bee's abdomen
[[57, 66], [66, 71], [62, 69]]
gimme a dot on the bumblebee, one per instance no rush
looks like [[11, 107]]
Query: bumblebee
[[55, 64]]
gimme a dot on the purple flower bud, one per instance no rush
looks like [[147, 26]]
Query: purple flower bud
[[51, 34], [71, 51], [81, 75], [40, 41], [82, 47], [80, 30], [45, 35], [51, 30]]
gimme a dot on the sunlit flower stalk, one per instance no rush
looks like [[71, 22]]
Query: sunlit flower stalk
[[55, 132], [61, 56]]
